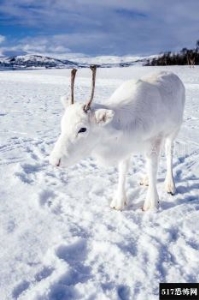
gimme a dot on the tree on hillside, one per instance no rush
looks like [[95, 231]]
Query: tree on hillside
[[197, 46], [184, 57]]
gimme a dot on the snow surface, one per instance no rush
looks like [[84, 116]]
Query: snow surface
[[59, 239]]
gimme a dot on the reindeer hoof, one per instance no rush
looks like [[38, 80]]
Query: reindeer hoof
[[144, 181], [118, 205], [149, 206], [170, 188], [170, 193]]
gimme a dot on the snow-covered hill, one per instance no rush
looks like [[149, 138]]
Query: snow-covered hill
[[35, 61], [38, 61], [59, 239]]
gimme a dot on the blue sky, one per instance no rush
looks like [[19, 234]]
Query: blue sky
[[77, 28]]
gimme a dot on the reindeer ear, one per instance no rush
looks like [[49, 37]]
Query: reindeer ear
[[65, 101], [103, 116]]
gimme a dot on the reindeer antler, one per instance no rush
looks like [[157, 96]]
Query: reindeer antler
[[88, 105], [73, 73]]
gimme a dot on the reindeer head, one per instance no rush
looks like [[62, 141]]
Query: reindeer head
[[81, 128]]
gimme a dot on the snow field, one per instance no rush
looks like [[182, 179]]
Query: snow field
[[59, 238]]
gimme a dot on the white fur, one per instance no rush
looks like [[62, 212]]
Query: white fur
[[138, 118]]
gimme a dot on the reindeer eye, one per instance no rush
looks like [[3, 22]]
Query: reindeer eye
[[83, 129]]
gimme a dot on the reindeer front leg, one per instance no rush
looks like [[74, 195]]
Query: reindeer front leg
[[120, 199], [152, 198]]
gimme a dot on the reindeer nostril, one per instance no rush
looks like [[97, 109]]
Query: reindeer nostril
[[59, 162]]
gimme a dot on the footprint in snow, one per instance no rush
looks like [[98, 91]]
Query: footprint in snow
[[44, 273], [20, 288], [24, 285], [75, 256], [73, 253], [46, 197], [28, 172]]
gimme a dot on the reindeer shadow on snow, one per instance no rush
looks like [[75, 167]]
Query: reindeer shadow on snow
[[139, 117], [187, 190]]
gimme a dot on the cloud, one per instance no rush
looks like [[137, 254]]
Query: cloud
[[101, 27], [2, 39], [38, 45]]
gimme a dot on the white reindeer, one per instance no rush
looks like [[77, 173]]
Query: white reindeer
[[138, 118]]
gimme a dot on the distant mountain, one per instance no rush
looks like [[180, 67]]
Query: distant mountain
[[34, 61], [38, 61]]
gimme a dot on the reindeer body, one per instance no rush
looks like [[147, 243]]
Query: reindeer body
[[138, 118], [143, 110]]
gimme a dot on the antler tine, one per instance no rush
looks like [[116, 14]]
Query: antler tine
[[93, 69], [73, 73]]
